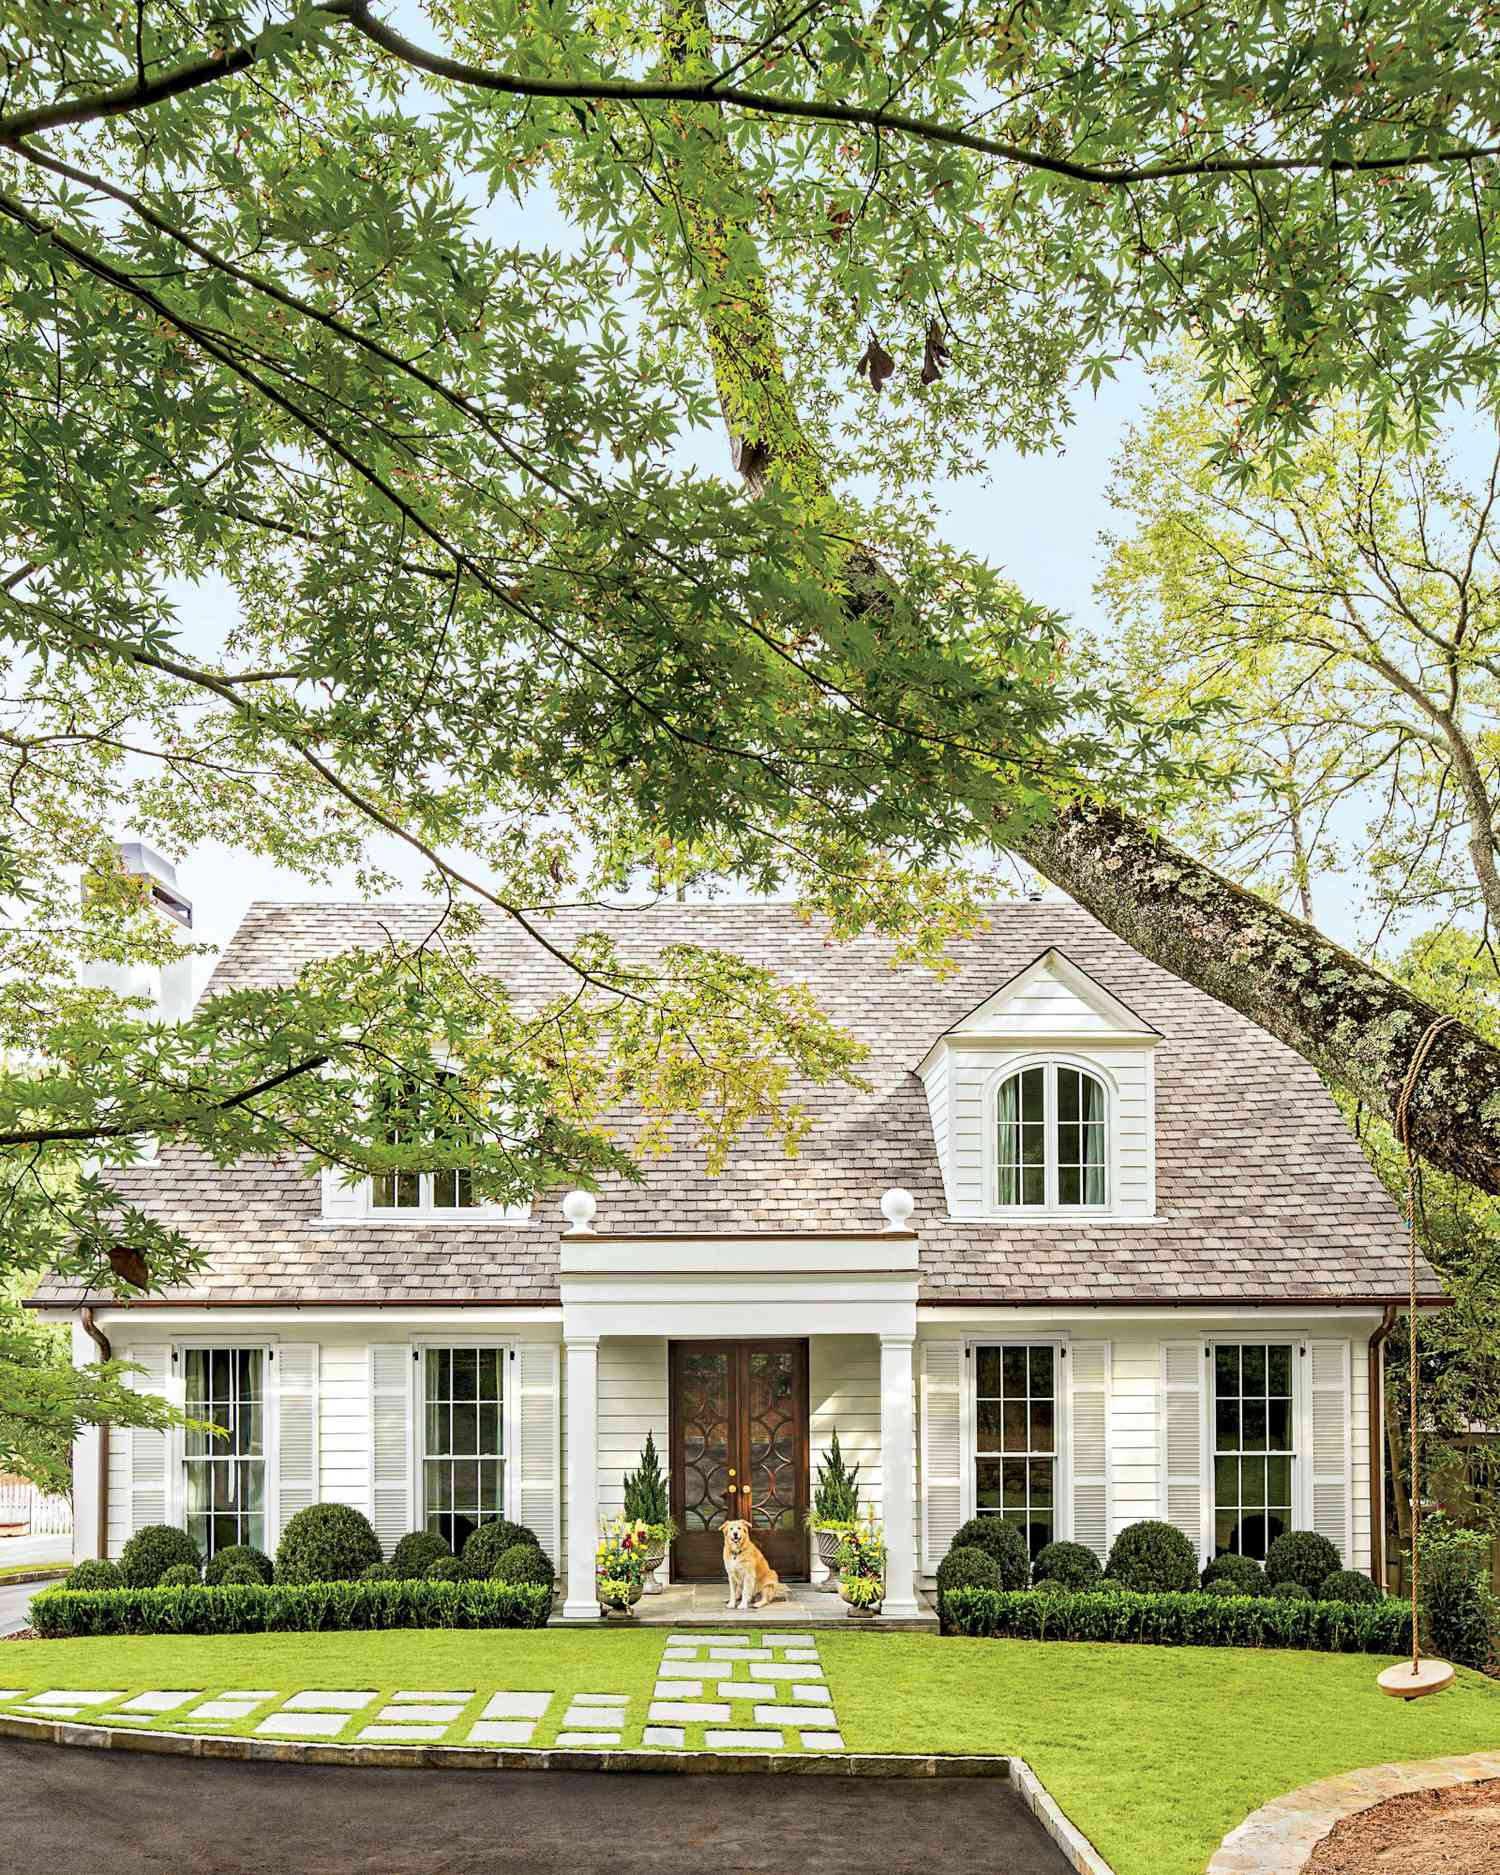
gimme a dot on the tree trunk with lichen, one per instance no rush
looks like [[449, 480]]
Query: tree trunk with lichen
[[1354, 1024]]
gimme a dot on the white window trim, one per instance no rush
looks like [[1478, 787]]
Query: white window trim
[[417, 1421], [177, 1440], [1051, 1212], [1062, 1482], [357, 1206], [1301, 1429]]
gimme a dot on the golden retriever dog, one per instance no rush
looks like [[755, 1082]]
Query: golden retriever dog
[[752, 1580]]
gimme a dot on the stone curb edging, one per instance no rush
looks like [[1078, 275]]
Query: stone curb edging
[[1278, 1838], [1081, 1853]]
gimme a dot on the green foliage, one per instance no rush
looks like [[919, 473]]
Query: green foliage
[[1302, 1556], [302, 1608], [1151, 1558], [381, 1572], [646, 1499], [523, 1562], [1243, 1575], [1196, 1619], [862, 1591], [1002, 1539], [1292, 1592], [619, 1564], [862, 1553], [245, 1575], [965, 1566], [237, 1556], [326, 1543], [491, 1540], [1349, 1585], [1460, 1616], [450, 1569], [150, 1552], [179, 1576], [1070, 1565], [94, 1572], [417, 1551], [836, 1493]]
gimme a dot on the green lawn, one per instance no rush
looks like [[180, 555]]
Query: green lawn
[[1154, 1752]]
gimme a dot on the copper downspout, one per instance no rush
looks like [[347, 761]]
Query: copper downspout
[[1377, 1445], [101, 1342]]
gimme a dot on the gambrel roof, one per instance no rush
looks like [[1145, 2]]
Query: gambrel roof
[[1263, 1194]]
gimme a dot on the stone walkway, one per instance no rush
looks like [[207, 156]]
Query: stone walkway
[[761, 1691], [1278, 1838]]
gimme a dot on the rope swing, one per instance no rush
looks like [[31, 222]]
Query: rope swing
[[1422, 1676]]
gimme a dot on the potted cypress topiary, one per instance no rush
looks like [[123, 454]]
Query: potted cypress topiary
[[646, 1507], [835, 1510]]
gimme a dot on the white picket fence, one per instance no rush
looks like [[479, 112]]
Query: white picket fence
[[24, 1510]]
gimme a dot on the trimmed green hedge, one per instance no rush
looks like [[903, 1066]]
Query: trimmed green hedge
[[308, 1608], [1170, 1618]]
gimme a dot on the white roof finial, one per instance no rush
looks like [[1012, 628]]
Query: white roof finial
[[579, 1208], [897, 1206]]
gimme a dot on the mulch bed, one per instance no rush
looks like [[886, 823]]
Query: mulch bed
[[21, 1634], [1454, 1831]]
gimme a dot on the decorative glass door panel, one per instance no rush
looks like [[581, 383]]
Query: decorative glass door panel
[[739, 1449]]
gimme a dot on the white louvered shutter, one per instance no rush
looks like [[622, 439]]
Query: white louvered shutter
[[391, 1370], [1088, 1443], [1182, 1365], [942, 1448], [1329, 1429], [537, 1421], [150, 1485], [340, 1200], [296, 1369]]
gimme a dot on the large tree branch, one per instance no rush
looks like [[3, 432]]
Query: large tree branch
[[61, 1135], [712, 91]]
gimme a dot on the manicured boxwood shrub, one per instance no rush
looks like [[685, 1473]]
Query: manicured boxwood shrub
[[1348, 1585], [380, 1572], [965, 1566], [1004, 1541], [180, 1576], [234, 1556], [151, 1551], [449, 1569], [307, 1608], [1290, 1591], [94, 1573], [1460, 1617], [1152, 1558], [490, 1541], [1195, 1620], [415, 1554], [241, 1575], [523, 1562], [1243, 1575], [1069, 1565], [327, 1543], [1302, 1556]]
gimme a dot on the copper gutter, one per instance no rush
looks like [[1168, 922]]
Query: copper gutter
[[1376, 1378], [101, 1342]]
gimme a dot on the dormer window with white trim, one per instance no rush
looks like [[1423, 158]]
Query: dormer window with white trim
[[409, 1197], [1052, 1139]]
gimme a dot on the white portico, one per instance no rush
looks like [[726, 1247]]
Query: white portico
[[740, 1323]]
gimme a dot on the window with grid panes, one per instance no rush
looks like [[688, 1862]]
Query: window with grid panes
[[225, 1470], [1252, 1445], [1015, 1442], [1051, 1139], [463, 1440]]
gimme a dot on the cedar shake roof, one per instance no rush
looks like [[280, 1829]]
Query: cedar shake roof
[[1263, 1194]]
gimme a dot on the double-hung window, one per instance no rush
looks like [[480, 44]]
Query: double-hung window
[[225, 1472], [1015, 1437], [1253, 1449], [450, 1190], [1051, 1139], [463, 1440]]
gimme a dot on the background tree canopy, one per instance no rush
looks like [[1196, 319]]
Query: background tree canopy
[[504, 595]]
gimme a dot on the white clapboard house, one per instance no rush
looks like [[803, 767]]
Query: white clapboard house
[[1091, 1248]]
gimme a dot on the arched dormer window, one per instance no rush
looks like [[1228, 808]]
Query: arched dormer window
[[1052, 1139]]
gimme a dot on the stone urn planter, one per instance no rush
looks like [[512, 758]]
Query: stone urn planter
[[652, 1558], [622, 1611], [860, 1610], [828, 1542]]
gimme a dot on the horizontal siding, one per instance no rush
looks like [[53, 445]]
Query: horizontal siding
[[632, 1402], [844, 1396], [344, 1423], [1134, 1433]]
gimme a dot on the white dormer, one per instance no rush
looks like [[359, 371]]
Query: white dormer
[[1043, 1102]]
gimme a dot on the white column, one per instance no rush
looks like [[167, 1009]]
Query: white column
[[898, 1472], [85, 1465], [581, 1392]]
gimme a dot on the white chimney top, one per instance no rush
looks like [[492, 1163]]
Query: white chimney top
[[897, 1206], [579, 1208]]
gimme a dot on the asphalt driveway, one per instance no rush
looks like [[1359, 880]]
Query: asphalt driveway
[[75, 1812]]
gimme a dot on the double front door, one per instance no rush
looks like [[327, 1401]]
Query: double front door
[[739, 1449]]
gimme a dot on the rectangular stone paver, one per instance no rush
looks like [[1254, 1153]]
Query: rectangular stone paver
[[782, 1715], [328, 1702], [226, 1709], [668, 1710], [783, 1670], [795, 1640], [11, 1692], [822, 1741], [800, 1653], [255, 1694], [516, 1706], [49, 1712], [593, 1740], [814, 1695], [400, 1734], [601, 1699], [61, 1698], [304, 1724], [755, 1741], [707, 1640], [672, 1735], [742, 1689], [435, 1715], [444, 1698], [500, 1732], [679, 1689], [157, 1702], [591, 1719]]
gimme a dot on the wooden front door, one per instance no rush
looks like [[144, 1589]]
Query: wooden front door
[[739, 1449]]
